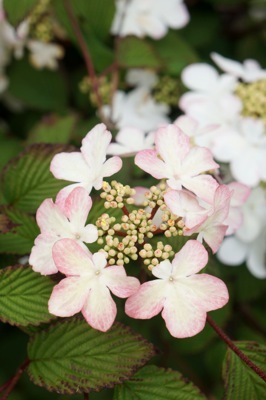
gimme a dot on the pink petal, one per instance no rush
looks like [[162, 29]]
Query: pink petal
[[77, 207], [240, 193], [99, 310], [203, 186], [148, 301], [70, 167], [190, 259], [187, 124], [221, 203], [94, 146], [41, 258], [51, 219], [214, 236], [68, 297], [149, 162], [65, 192], [234, 220], [172, 144], [198, 160], [118, 282], [72, 259]]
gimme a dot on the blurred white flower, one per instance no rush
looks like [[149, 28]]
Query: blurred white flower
[[148, 17], [44, 55], [141, 77]]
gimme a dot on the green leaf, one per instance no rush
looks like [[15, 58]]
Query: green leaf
[[174, 52], [137, 53], [20, 237], [42, 90], [10, 147], [53, 129], [241, 382], [156, 383], [71, 357], [24, 296], [27, 180], [18, 10]]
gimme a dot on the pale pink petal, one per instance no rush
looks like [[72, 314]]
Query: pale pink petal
[[94, 146], [148, 161], [240, 193], [70, 167], [187, 124], [148, 301], [72, 259], [234, 220], [99, 309], [172, 144], [209, 292], [203, 186], [183, 319], [116, 279], [221, 203], [77, 207], [51, 219], [65, 192], [89, 234], [139, 196], [68, 297], [99, 261], [190, 259], [198, 160], [232, 251], [111, 166], [163, 270], [214, 236], [201, 77], [41, 258]]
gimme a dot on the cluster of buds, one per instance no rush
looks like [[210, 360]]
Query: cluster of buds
[[116, 195], [41, 25], [253, 96], [167, 90], [154, 197], [86, 86], [152, 257]]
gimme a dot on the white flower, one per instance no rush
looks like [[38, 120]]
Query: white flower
[[129, 141], [44, 55], [141, 77], [249, 71], [148, 17], [137, 109]]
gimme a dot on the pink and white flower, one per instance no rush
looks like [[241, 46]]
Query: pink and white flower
[[88, 167], [87, 285], [129, 141], [57, 222], [183, 296], [239, 196], [152, 18], [181, 164]]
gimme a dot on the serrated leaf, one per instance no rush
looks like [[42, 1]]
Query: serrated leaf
[[20, 238], [53, 129], [71, 357], [174, 52], [18, 10], [241, 382], [39, 89], [156, 383], [137, 53], [27, 180], [24, 296]]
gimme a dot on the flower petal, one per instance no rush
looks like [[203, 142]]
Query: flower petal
[[148, 301], [163, 270], [200, 76], [116, 279], [89, 234], [72, 259], [203, 186], [150, 163], [232, 251], [99, 309], [111, 166], [190, 259], [51, 219], [41, 258], [70, 167], [94, 146], [198, 160], [68, 297], [172, 144], [214, 236], [77, 207]]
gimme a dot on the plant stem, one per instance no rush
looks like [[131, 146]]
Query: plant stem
[[87, 58], [236, 350], [11, 383], [86, 396]]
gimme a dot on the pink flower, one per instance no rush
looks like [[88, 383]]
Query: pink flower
[[180, 163], [87, 285], [240, 193], [88, 167], [57, 222], [213, 228], [183, 296]]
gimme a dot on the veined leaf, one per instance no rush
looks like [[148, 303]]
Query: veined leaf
[[27, 180], [18, 10], [241, 382], [71, 357], [156, 383], [24, 296], [22, 231]]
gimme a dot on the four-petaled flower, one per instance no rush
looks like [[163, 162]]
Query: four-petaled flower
[[183, 296], [87, 285]]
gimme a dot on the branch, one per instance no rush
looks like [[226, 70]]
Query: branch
[[236, 350], [11, 383]]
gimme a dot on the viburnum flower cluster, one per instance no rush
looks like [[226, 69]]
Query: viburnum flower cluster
[[186, 200], [229, 110]]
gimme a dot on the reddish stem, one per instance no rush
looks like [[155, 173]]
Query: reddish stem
[[125, 210], [236, 350], [11, 383], [154, 211]]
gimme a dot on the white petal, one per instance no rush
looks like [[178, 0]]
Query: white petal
[[232, 251], [116, 279], [41, 258], [190, 259], [70, 167], [77, 207], [201, 77], [51, 219]]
